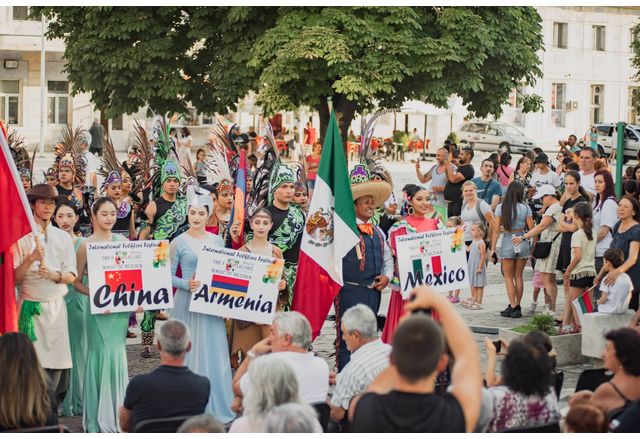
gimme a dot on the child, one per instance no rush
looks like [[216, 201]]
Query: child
[[581, 271], [615, 298], [200, 175], [477, 265], [452, 223]]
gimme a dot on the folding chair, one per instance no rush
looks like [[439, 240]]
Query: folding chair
[[161, 425]]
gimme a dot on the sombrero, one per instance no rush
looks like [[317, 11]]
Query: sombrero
[[362, 184]]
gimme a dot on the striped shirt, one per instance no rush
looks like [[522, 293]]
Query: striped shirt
[[365, 365]]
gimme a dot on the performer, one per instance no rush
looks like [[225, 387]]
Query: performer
[[368, 267], [244, 335], [288, 223], [106, 376], [415, 222], [301, 197], [218, 223], [112, 187], [44, 265], [51, 176], [208, 355], [66, 217]]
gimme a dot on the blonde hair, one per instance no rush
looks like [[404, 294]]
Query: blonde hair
[[24, 397], [481, 227], [456, 220]]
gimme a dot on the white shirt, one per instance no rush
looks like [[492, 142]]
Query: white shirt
[[312, 373], [59, 255], [588, 182], [605, 215], [618, 295], [365, 365], [537, 179]]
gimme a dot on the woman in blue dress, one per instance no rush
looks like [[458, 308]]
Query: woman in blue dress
[[209, 355]]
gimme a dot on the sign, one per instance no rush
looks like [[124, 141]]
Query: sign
[[236, 284], [436, 258], [125, 275]]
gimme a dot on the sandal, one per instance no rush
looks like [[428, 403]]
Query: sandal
[[146, 352], [466, 303], [475, 306]]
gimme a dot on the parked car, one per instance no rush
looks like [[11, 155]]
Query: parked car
[[491, 136], [607, 138]]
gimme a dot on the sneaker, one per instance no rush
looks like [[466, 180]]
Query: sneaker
[[532, 308], [546, 310], [508, 310], [516, 313]]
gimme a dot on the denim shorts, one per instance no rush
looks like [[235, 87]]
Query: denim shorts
[[506, 250]]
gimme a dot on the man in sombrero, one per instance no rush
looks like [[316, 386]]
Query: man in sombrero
[[368, 267], [43, 266]]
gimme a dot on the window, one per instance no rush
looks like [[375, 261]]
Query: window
[[208, 119], [632, 104], [558, 99], [21, 13], [599, 36], [560, 35], [116, 123], [9, 101], [58, 102], [597, 94]]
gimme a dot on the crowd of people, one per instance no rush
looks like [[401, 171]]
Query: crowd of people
[[417, 369]]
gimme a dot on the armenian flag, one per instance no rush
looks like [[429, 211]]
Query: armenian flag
[[229, 285]]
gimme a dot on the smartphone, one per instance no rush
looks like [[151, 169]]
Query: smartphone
[[498, 345]]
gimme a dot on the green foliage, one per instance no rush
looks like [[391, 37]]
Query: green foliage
[[361, 56], [541, 322], [453, 137], [401, 137]]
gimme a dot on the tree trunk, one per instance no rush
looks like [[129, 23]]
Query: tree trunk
[[345, 111]]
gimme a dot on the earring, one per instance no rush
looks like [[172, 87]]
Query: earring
[[410, 210]]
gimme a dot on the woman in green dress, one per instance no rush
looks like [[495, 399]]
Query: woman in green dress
[[106, 376], [66, 217]]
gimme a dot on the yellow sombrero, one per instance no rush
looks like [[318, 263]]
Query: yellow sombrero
[[362, 184]]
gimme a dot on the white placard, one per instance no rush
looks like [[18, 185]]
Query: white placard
[[435, 258], [237, 285], [125, 275]]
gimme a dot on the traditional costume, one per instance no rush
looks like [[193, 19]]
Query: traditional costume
[[208, 333], [70, 155], [170, 219], [368, 260], [43, 312]]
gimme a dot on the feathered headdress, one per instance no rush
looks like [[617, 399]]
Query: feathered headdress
[[222, 158], [70, 153], [18, 151], [372, 160], [145, 151], [111, 168], [166, 159], [259, 195]]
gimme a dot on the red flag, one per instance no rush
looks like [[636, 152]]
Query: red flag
[[436, 264], [132, 279], [12, 195]]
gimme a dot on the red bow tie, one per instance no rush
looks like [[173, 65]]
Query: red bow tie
[[366, 228]]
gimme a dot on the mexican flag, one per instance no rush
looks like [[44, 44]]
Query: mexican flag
[[330, 233], [582, 305], [12, 196]]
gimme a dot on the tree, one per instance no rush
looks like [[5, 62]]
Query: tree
[[361, 57]]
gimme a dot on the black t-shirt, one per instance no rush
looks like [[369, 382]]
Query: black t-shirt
[[569, 204], [401, 412], [628, 421], [453, 191], [166, 392]]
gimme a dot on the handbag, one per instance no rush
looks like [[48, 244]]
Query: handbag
[[543, 249]]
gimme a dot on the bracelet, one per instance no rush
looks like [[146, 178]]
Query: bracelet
[[251, 354]]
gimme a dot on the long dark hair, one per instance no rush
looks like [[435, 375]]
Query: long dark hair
[[505, 159], [513, 198], [95, 207], [583, 211], [576, 176], [526, 369], [609, 188]]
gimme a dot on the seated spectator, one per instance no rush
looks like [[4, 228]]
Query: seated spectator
[[171, 389], [369, 357], [402, 398], [292, 418], [629, 421], [204, 423], [25, 400], [289, 340], [614, 298], [543, 341], [524, 397], [621, 356], [585, 418], [275, 384]]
